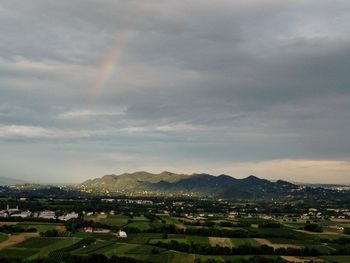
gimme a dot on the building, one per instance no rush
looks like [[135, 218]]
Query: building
[[96, 230], [22, 214], [68, 216], [88, 229], [121, 233], [46, 214]]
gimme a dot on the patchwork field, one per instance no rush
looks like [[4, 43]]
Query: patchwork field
[[220, 241], [267, 242], [15, 239], [3, 237], [244, 241], [145, 245]]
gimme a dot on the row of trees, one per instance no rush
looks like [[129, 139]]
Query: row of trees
[[9, 229], [206, 249]]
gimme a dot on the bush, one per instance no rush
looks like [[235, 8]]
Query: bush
[[313, 228]]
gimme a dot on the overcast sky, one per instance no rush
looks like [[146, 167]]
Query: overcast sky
[[94, 87]]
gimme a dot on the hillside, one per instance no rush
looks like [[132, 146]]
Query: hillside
[[167, 183], [10, 181]]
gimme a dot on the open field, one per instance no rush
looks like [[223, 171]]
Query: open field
[[115, 220], [161, 237], [15, 239], [338, 259], [244, 241], [40, 226], [263, 241], [220, 241], [3, 237]]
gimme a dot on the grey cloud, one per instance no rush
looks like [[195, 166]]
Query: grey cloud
[[213, 82]]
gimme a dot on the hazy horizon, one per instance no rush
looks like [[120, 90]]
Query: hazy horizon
[[89, 88]]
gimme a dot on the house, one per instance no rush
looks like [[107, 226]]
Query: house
[[22, 214], [46, 214], [88, 229], [69, 216], [3, 214], [101, 230], [121, 233], [96, 230]]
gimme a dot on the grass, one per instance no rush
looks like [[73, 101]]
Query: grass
[[143, 250], [42, 227], [92, 248], [116, 220], [220, 241], [63, 243], [217, 258], [140, 225], [198, 239], [103, 236], [244, 241], [17, 253], [182, 239], [338, 259], [140, 238], [171, 257], [277, 240], [3, 237], [38, 242], [170, 220], [117, 249]]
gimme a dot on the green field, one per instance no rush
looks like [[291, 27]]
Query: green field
[[42, 227], [244, 241], [338, 259], [38, 242], [3, 237], [182, 239], [116, 220], [20, 253], [144, 246], [92, 248]]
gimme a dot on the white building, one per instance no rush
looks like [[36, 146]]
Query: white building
[[122, 234], [47, 214], [69, 216], [22, 214]]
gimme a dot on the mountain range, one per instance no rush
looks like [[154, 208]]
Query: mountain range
[[167, 183], [10, 181]]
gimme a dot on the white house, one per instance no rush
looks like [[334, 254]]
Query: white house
[[122, 234], [69, 216], [47, 214]]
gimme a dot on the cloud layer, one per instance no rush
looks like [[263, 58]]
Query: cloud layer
[[94, 87]]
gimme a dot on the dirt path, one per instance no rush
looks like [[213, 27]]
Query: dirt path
[[319, 233], [101, 217], [301, 260], [8, 223], [263, 241], [60, 228], [340, 220], [15, 239], [181, 226]]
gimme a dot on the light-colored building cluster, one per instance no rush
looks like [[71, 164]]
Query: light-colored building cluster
[[46, 214]]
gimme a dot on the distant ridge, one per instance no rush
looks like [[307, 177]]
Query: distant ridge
[[166, 183], [10, 181]]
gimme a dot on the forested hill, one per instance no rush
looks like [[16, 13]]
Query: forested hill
[[182, 184]]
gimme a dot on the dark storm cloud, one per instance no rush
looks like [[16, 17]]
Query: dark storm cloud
[[208, 85]]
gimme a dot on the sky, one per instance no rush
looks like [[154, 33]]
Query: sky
[[94, 87]]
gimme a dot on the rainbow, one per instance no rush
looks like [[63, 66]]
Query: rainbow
[[106, 71]]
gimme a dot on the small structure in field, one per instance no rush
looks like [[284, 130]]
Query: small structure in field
[[121, 233]]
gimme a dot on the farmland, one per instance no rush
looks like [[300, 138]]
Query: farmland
[[152, 235]]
